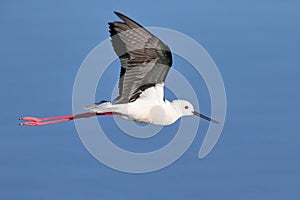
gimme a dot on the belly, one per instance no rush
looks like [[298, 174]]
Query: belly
[[158, 113], [153, 115]]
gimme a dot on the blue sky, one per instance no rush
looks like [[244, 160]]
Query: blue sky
[[255, 44]]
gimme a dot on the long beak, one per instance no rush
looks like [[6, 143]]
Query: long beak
[[205, 117]]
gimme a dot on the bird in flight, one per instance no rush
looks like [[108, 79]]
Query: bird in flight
[[145, 63]]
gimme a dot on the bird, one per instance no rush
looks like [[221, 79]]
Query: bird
[[145, 62]]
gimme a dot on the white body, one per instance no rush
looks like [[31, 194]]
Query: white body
[[150, 107]]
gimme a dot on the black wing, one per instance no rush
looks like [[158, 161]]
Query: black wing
[[145, 59]]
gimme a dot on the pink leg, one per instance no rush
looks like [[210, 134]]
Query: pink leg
[[33, 121]]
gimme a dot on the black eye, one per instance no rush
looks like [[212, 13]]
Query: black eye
[[186, 107]]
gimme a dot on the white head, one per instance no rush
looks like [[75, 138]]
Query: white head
[[185, 108]]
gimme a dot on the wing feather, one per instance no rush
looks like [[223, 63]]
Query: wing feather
[[145, 59]]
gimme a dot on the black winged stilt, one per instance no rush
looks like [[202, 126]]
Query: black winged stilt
[[145, 62]]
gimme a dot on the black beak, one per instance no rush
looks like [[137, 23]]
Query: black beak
[[205, 117]]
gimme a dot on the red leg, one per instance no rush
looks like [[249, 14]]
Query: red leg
[[33, 121]]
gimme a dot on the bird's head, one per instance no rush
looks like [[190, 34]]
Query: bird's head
[[185, 108]]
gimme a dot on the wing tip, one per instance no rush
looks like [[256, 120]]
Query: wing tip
[[130, 22], [117, 13], [120, 15]]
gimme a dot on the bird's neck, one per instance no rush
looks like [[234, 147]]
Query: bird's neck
[[172, 111]]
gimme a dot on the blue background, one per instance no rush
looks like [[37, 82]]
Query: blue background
[[256, 47]]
